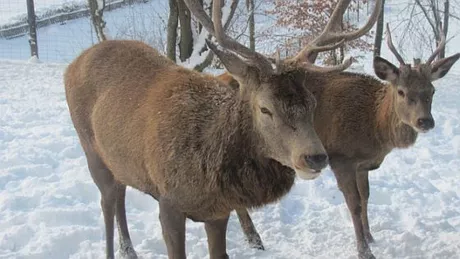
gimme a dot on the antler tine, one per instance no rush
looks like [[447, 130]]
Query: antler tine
[[197, 10], [392, 47], [331, 39], [214, 27], [369, 24], [441, 45]]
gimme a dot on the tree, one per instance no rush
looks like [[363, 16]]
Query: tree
[[432, 15], [186, 34], [193, 52], [306, 19], [422, 29], [96, 8], [252, 30], [379, 32], [172, 30]]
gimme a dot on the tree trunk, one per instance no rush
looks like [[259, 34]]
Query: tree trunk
[[445, 27], [97, 18], [32, 28], [172, 30], [342, 55], [252, 30], [186, 35], [379, 32]]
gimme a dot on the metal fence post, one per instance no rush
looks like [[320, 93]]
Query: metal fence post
[[32, 28]]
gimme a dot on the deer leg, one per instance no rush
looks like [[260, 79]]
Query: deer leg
[[346, 180], [107, 187], [252, 237], [126, 246], [173, 228], [216, 231], [362, 180]]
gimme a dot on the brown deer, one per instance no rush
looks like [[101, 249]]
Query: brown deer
[[360, 120], [199, 147]]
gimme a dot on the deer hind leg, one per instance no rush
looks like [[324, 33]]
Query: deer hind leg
[[126, 246], [108, 188], [252, 237], [362, 180], [346, 180], [216, 231], [173, 228]]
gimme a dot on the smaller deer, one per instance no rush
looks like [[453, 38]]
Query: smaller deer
[[360, 120], [199, 147]]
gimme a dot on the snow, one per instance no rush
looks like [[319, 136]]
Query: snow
[[49, 206]]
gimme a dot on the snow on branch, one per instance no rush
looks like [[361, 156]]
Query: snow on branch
[[200, 52]]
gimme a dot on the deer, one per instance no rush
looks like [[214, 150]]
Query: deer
[[360, 119], [198, 147]]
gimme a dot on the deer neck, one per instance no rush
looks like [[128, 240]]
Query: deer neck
[[246, 176], [393, 131]]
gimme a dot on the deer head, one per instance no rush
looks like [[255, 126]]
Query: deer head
[[412, 85], [282, 107]]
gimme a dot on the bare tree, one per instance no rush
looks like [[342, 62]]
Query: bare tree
[[193, 52], [379, 31], [252, 29], [428, 20], [172, 30], [96, 8], [432, 15], [442, 54], [186, 34]]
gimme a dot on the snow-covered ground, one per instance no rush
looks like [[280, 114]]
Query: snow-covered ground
[[49, 206]]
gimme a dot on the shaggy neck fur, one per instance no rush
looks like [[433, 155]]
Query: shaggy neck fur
[[246, 177], [391, 128]]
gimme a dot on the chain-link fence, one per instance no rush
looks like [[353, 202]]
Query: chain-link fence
[[64, 28]]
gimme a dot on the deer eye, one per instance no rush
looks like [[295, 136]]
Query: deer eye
[[401, 93], [265, 111]]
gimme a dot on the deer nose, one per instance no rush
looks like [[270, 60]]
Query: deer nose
[[425, 123], [316, 162]]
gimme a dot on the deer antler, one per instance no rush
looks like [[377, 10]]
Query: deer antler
[[214, 27], [331, 38], [326, 41], [441, 45], [392, 47]]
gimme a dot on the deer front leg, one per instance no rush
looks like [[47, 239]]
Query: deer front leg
[[216, 231], [173, 228], [252, 237], [362, 180], [346, 180]]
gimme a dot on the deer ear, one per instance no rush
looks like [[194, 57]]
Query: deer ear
[[385, 70], [234, 65], [440, 68]]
